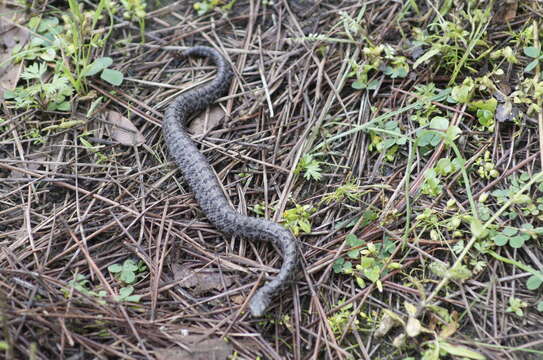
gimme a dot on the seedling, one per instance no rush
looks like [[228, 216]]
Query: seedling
[[297, 219], [339, 320], [203, 7], [125, 294], [516, 306], [128, 271], [310, 167], [81, 284], [534, 53]]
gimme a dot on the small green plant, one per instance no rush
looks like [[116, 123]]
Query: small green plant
[[445, 166], [81, 284], [386, 138], [135, 9], [427, 109], [245, 177], [259, 209], [128, 271], [68, 46], [536, 54], [297, 219], [507, 53], [101, 65], [522, 202], [485, 111], [529, 92], [451, 43], [339, 320], [371, 263], [36, 136], [92, 148], [396, 66], [485, 167], [463, 93], [439, 129], [362, 71], [535, 281], [516, 306], [343, 266], [50, 95], [432, 184], [203, 7], [125, 294], [310, 167], [349, 191], [378, 58], [516, 237]]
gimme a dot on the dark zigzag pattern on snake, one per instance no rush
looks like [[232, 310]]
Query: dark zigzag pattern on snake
[[203, 181]]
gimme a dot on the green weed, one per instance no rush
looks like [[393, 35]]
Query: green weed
[[339, 320], [81, 284], [310, 167], [203, 7], [51, 95], [135, 10], [66, 49], [516, 306], [297, 219], [349, 191], [128, 271], [92, 148], [371, 261]]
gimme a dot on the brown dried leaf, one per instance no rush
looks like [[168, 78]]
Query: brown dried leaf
[[389, 320], [506, 109], [216, 349], [10, 37], [207, 120], [123, 130], [450, 328], [505, 11], [237, 299], [37, 160], [201, 281]]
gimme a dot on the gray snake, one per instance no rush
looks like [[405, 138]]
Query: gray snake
[[203, 181]]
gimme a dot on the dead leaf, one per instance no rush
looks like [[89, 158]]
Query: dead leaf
[[207, 120], [237, 299], [10, 36], [388, 321], [399, 341], [505, 11], [216, 349], [506, 109], [201, 281], [37, 161], [413, 327], [450, 328], [123, 130]]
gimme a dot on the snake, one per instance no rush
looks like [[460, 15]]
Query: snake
[[203, 181]]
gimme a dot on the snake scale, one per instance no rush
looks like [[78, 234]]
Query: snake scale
[[203, 181]]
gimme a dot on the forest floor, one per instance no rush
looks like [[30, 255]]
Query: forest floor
[[399, 141]]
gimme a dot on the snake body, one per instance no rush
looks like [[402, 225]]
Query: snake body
[[203, 181]]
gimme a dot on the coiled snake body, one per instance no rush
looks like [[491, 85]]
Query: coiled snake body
[[203, 181]]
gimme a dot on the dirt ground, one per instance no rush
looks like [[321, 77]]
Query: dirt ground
[[398, 140]]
